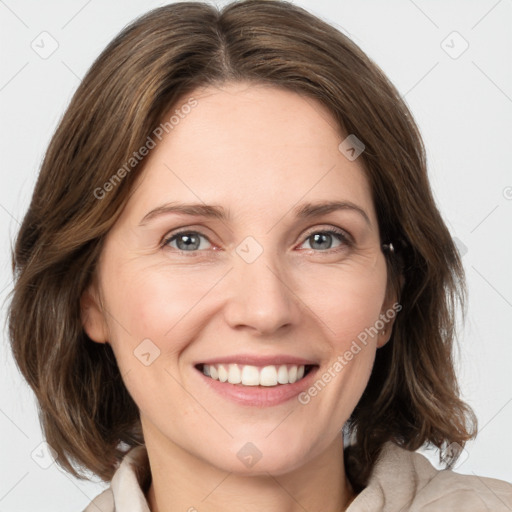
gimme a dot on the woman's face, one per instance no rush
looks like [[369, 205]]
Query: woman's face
[[254, 276]]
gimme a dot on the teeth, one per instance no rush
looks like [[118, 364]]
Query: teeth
[[223, 373], [268, 376], [234, 374], [249, 375], [282, 374]]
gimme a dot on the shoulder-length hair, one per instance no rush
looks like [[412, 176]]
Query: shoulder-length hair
[[86, 413]]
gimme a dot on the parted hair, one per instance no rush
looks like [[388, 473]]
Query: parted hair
[[86, 412]]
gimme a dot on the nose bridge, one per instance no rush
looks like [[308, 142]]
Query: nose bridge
[[262, 297]]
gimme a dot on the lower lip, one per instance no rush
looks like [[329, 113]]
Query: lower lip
[[259, 396]]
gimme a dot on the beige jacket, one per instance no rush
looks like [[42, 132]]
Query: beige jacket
[[402, 481]]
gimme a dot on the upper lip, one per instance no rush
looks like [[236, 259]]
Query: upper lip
[[258, 360]]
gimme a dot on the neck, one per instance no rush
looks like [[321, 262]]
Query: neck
[[182, 482]]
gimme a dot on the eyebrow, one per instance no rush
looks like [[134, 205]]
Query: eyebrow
[[304, 211]]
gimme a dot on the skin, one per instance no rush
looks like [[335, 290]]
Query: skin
[[258, 151]]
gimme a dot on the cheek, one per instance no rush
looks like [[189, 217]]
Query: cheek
[[170, 304], [349, 311], [150, 314], [349, 305], [157, 304], [347, 299]]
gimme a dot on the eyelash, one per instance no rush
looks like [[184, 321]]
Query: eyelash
[[342, 236]]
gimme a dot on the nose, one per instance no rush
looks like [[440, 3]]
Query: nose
[[261, 296]]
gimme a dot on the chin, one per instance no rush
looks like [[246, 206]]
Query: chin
[[261, 456]]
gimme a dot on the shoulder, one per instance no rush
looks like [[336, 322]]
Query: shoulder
[[103, 502], [127, 487], [402, 478], [455, 491]]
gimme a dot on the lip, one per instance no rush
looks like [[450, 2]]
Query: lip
[[257, 396], [258, 360]]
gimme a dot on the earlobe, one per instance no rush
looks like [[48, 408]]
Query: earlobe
[[93, 319], [390, 310], [384, 336]]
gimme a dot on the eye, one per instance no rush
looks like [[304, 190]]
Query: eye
[[321, 241], [186, 241]]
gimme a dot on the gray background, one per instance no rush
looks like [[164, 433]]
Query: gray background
[[462, 100]]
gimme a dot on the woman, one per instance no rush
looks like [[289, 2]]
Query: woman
[[186, 336]]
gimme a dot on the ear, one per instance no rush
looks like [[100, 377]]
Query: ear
[[93, 318], [390, 309]]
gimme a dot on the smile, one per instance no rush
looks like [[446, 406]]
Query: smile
[[250, 375]]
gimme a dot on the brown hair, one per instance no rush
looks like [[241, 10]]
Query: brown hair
[[87, 415]]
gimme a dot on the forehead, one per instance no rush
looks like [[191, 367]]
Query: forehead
[[250, 147]]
